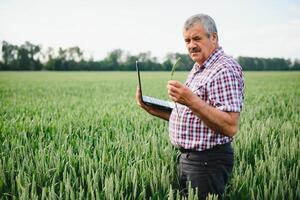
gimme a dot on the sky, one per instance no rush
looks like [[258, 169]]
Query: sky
[[256, 28]]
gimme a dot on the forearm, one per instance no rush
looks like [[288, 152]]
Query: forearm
[[161, 114], [219, 121]]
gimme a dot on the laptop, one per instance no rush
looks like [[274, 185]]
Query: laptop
[[151, 101]]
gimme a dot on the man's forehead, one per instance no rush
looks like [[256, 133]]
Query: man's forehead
[[197, 25], [196, 29]]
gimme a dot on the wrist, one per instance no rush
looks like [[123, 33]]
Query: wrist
[[195, 102]]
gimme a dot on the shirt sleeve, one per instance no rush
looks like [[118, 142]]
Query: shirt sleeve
[[226, 91]]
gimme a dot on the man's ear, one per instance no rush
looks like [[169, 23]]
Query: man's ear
[[214, 37]]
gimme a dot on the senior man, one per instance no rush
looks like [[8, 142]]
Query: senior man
[[208, 110]]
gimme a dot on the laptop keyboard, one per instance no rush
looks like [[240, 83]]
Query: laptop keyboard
[[158, 101]]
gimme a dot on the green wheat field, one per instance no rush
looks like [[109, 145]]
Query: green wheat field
[[80, 135]]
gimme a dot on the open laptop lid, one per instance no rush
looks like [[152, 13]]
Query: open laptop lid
[[157, 103]]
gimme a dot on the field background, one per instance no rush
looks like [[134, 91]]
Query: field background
[[80, 135]]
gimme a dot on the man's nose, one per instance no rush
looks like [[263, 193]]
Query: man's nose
[[192, 45]]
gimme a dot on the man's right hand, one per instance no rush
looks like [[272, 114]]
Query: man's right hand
[[151, 110], [138, 99]]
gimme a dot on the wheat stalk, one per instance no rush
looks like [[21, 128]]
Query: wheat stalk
[[174, 67]]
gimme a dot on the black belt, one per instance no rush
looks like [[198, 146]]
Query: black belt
[[219, 147]]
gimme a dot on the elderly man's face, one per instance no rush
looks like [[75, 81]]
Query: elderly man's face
[[199, 45]]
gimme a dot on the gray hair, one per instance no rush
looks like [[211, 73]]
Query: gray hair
[[206, 21]]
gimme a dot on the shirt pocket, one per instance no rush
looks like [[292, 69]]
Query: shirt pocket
[[196, 87], [201, 91]]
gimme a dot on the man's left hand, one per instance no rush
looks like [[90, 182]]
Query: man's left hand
[[180, 93]]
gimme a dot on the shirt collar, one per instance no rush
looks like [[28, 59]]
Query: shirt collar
[[210, 60]]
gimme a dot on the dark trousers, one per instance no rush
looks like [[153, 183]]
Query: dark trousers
[[208, 170]]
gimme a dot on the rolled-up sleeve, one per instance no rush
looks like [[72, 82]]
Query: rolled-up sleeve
[[226, 91]]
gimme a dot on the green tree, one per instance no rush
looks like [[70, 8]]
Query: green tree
[[74, 54], [9, 55], [113, 60], [130, 62], [28, 57]]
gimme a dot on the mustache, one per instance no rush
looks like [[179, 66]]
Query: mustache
[[195, 50]]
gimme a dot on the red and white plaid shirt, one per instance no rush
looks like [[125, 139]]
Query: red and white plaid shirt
[[220, 83]]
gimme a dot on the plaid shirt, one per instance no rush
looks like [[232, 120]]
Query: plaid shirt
[[219, 82]]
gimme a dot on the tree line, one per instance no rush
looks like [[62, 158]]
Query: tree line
[[29, 56]]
